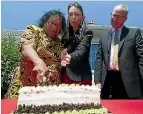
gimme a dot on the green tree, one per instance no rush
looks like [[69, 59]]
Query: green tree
[[9, 61]]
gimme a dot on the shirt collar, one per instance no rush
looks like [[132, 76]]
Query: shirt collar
[[119, 31]]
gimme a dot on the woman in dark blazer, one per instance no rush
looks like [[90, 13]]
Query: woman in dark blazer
[[75, 56]]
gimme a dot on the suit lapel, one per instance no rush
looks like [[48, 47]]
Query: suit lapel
[[122, 38]]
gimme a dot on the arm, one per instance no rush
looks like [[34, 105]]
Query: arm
[[98, 64], [139, 51], [39, 65], [28, 45], [30, 53], [81, 49]]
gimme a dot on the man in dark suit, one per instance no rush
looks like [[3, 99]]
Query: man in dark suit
[[119, 59]]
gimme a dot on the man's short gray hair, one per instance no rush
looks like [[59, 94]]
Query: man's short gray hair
[[124, 6]]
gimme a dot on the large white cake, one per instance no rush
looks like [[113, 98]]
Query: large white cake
[[58, 95], [62, 99]]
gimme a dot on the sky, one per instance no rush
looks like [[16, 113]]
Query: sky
[[16, 15]]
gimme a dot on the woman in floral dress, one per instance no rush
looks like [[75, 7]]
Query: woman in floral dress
[[40, 47]]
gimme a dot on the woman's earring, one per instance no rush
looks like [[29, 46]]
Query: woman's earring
[[68, 23], [81, 23]]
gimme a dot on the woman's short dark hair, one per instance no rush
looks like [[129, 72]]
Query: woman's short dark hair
[[48, 14], [77, 5]]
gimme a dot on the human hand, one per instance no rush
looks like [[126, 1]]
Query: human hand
[[41, 68], [66, 60], [63, 53], [63, 63]]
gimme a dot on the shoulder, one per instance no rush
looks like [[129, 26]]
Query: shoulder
[[131, 29], [33, 28], [106, 33], [31, 31]]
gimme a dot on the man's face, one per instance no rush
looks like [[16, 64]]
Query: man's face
[[118, 17]]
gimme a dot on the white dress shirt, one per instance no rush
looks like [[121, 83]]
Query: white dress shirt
[[111, 67]]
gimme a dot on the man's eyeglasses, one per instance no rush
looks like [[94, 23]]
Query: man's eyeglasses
[[117, 16]]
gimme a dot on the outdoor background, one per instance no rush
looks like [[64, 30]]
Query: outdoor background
[[16, 15]]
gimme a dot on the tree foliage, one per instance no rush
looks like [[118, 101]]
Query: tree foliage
[[9, 61]]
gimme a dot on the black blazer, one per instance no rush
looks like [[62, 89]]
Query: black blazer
[[79, 49], [130, 57]]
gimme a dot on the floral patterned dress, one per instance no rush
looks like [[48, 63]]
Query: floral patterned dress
[[47, 49]]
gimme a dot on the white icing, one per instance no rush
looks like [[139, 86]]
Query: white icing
[[58, 95]]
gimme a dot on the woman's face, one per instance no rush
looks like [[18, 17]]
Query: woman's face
[[53, 26], [75, 16]]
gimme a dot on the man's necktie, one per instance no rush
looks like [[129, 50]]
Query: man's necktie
[[115, 52]]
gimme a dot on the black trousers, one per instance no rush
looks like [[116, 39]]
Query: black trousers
[[113, 87]]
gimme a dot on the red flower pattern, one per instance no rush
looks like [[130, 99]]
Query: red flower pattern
[[51, 78]]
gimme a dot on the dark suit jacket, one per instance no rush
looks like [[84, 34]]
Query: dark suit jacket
[[130, 57], [79, 67]]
